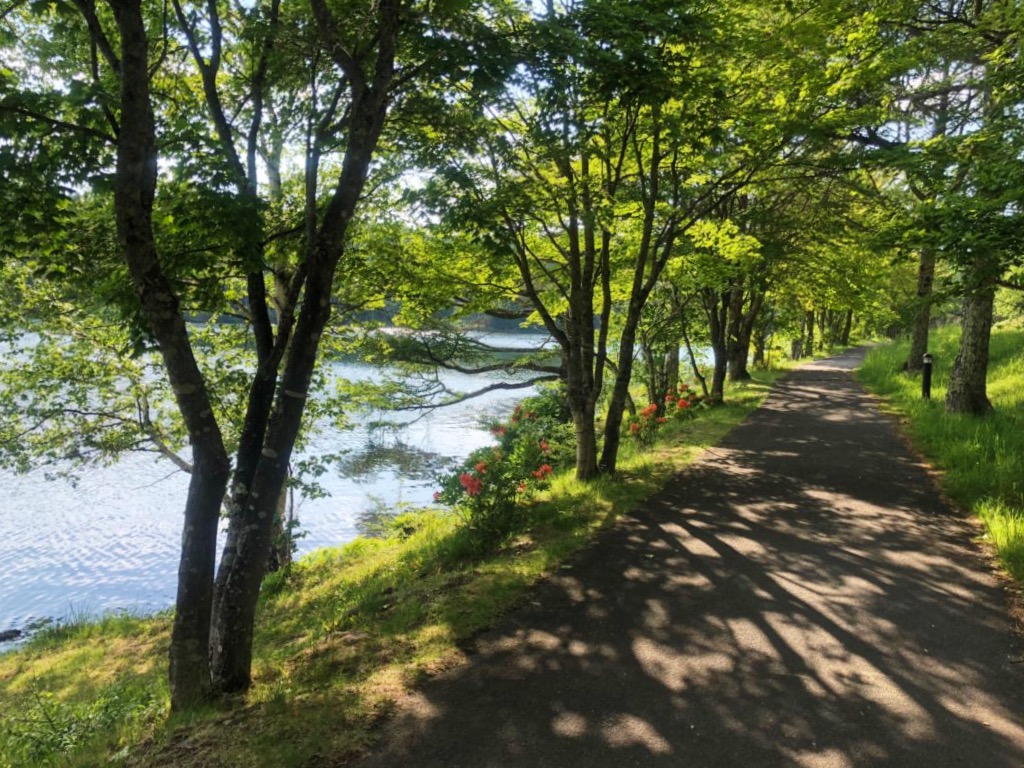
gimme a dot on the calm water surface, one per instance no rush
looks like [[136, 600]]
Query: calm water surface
[[111, 543]]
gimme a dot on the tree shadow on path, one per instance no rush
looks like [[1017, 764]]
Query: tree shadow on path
[[801, 597]]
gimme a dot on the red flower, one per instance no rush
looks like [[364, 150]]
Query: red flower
[[670, 398], [649, 411], [662, 419], [437, 495], [544, 447], [634, 427], [499, 430], [470, 484], [683, 403], [480, 467], [683, 387], [542, 471], [521, 487]]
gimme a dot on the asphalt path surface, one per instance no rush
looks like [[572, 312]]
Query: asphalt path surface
[[801, 596]]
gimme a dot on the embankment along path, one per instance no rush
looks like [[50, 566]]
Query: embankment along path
[[800, 597]]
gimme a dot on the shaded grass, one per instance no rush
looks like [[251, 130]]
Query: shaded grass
[[339, 637], [981, 459]]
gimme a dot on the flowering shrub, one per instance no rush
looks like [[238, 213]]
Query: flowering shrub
[[531, 445], [678, 405]]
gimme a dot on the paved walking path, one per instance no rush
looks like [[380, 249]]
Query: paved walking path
[[801, 597]]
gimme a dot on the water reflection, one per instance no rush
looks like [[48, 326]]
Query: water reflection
[[394, 455], [111, 542]]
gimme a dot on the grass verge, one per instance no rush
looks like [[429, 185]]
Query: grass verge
[[981, 459], [338, 637]]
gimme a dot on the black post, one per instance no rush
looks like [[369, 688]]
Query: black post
[[926, 377]]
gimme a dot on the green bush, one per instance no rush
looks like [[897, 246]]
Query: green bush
[[48, 731], [531, 446]]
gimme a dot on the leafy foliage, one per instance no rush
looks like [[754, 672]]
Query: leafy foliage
[[490, 485]]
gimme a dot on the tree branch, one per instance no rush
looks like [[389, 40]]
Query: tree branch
[[498, 386], [59, 124]]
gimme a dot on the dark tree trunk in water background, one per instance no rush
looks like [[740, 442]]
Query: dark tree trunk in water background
[[134, 193]]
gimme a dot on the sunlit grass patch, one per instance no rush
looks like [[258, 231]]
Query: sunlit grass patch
[[981, 459], [1005, 529]]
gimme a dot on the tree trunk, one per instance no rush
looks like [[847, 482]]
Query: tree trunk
[[242, 571], [693, 359], [586, 444], [620, 391], [135, 188], [736, 355], [844, 339], [739, 351], [243, 567], [672, 367], [281, 539], [967, 391], [923, 313], [716, 305], [809, 333]]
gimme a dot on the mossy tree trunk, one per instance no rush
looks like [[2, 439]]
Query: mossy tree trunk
[[967, 381]]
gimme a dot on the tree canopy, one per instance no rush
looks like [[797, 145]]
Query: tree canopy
[[201, 198]]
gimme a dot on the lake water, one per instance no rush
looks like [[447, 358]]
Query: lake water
[[111, 543]]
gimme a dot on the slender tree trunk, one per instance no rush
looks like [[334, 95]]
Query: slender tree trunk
[[967, 386], [672, 367], [809, 333], [580, 394], [693, 359], [740, 345], [736, 356], [716, 305], [620, 391], [717, 394], [923, 313], [844, 339], [652, 375], [241, 575], [281, 547], [242, 569], [586, 443], [135, 188]]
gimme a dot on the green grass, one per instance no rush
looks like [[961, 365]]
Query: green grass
[[338, 638], [981, 459]]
